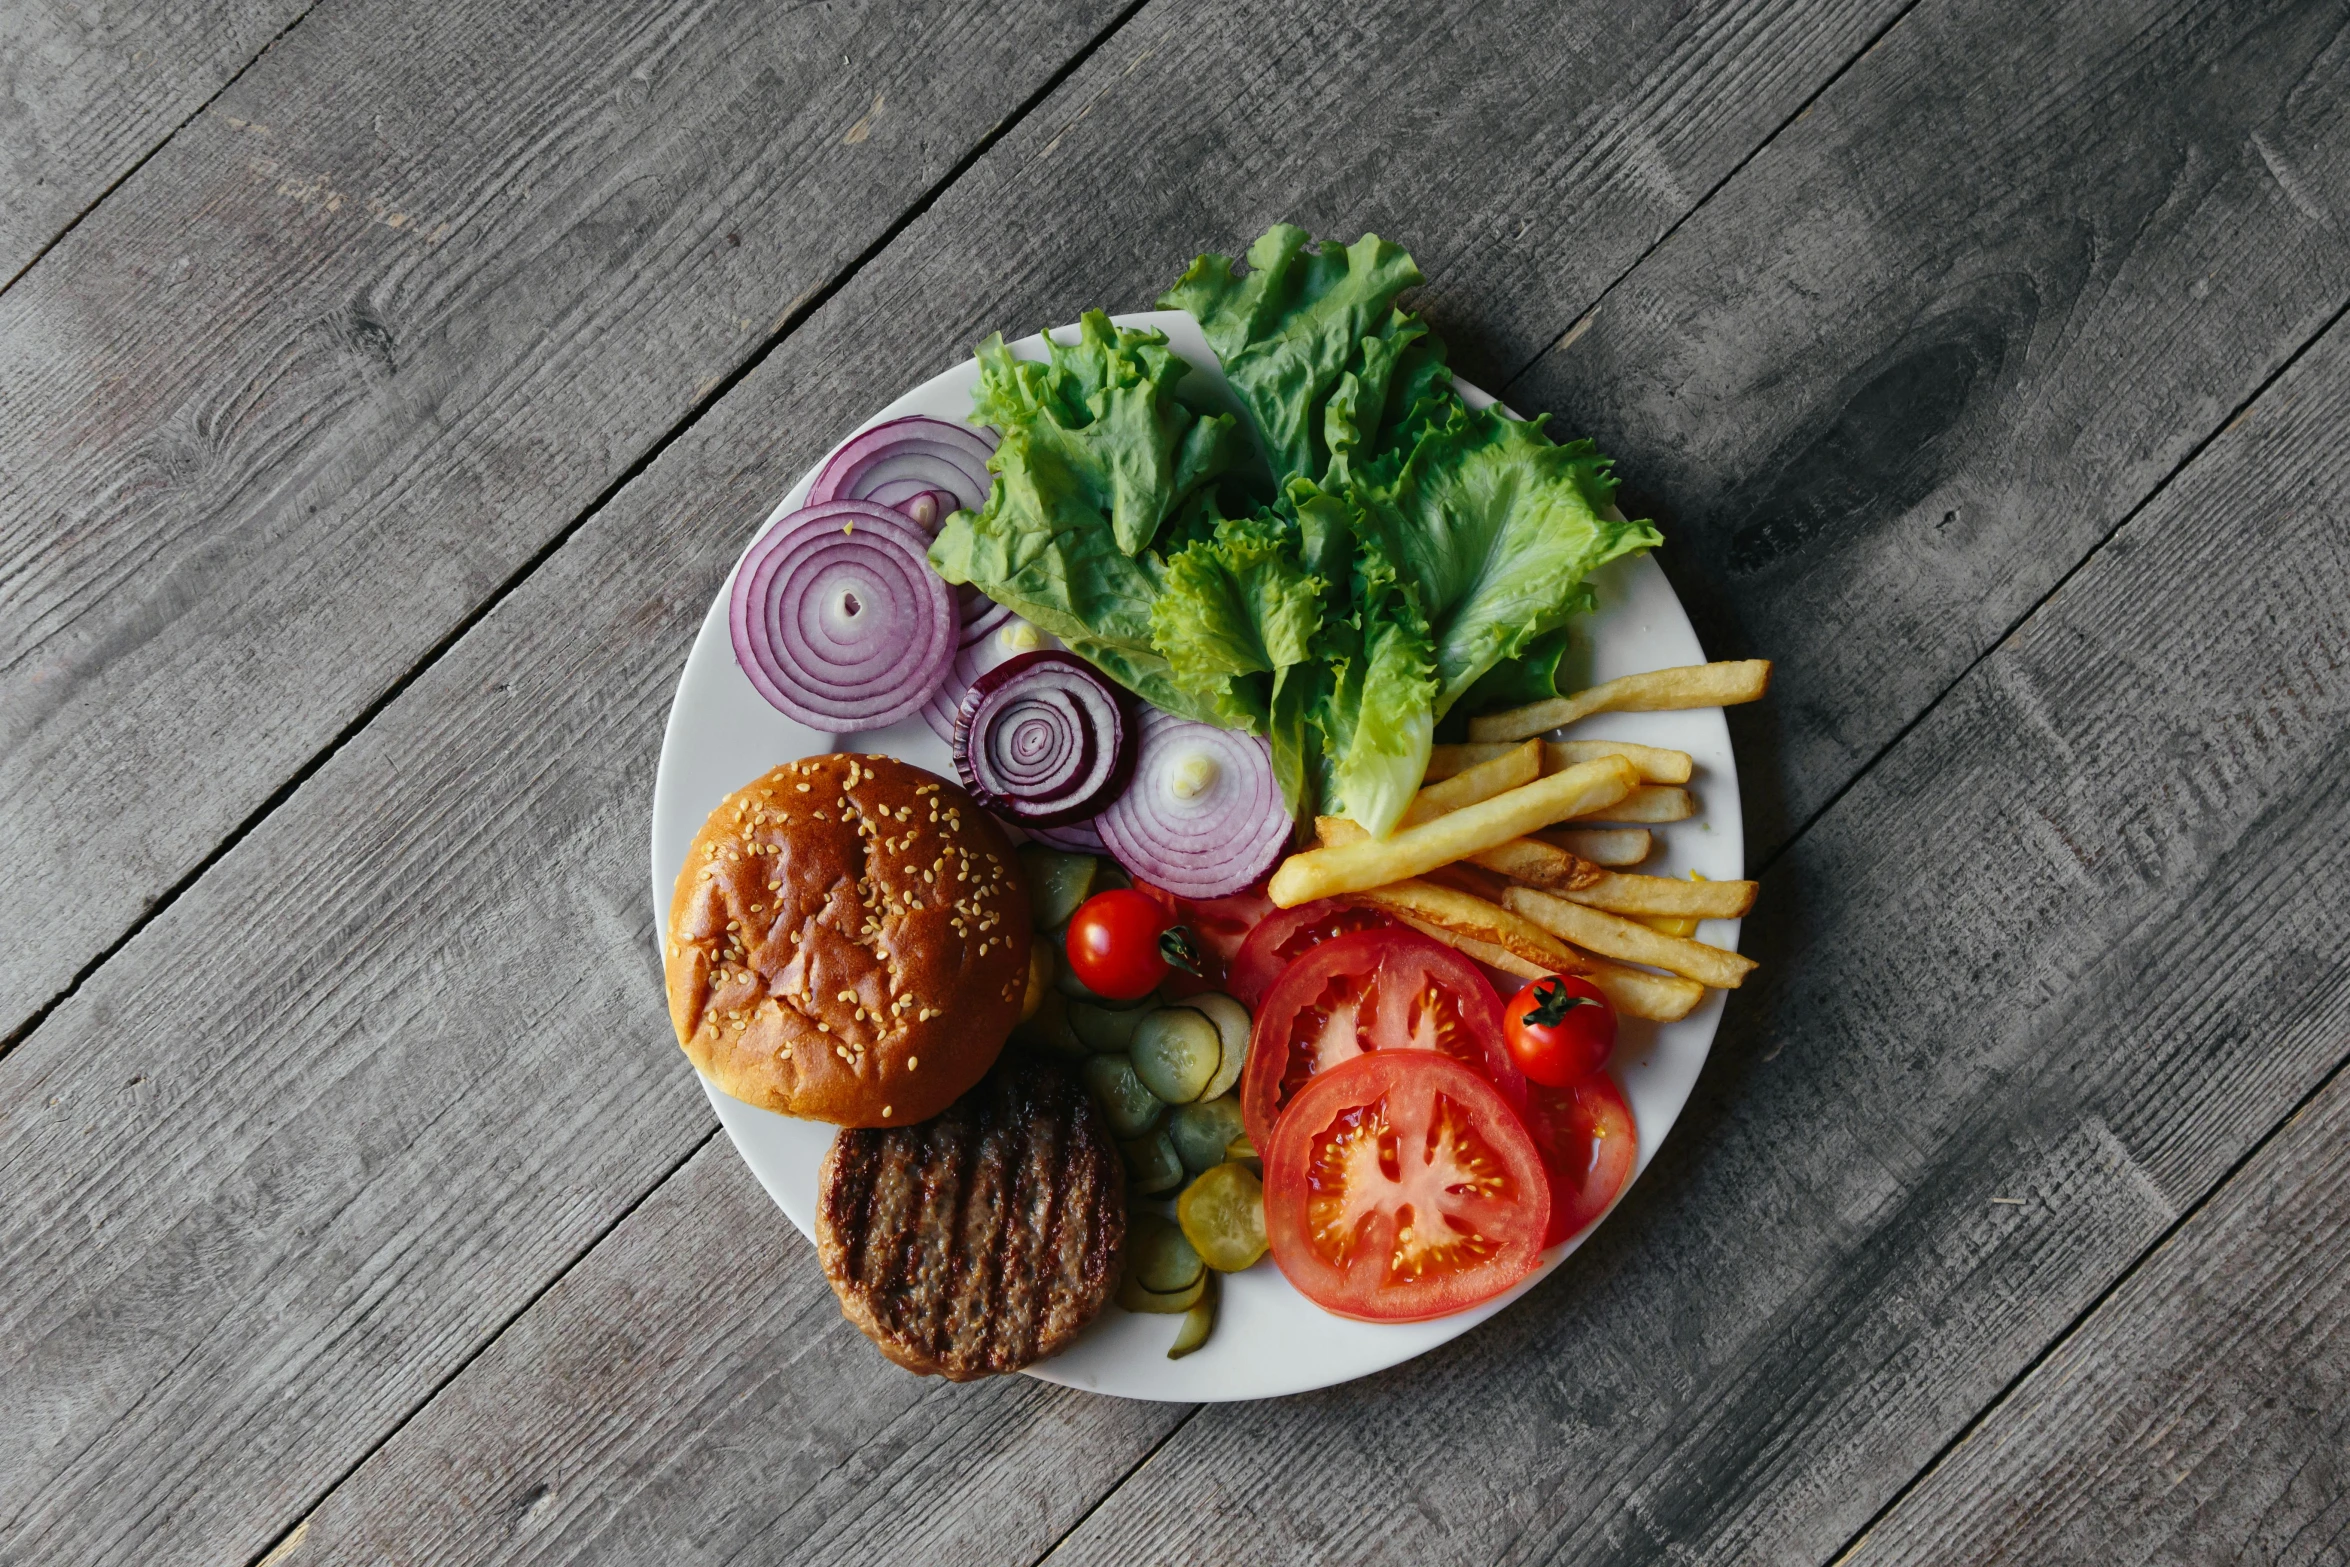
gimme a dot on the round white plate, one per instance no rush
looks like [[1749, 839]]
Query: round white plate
[[1269, 1339]]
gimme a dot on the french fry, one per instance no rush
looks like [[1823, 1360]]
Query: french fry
[[1466, 915], [1648, 803], [1644, 896], [1613, 846], [1612, 936], [1375, 862], [1635, 992], [1656, 764], [1540, 864], [1513, 766], [1661, 998], [1660, 690]]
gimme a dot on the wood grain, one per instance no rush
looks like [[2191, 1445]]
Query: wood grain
[[2202, 1414], [1940, 338], [87, 90], [398, 1058], [702, 1313], [2074, 944], [368, 335]]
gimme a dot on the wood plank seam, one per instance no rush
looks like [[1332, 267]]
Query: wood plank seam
[[2087, 1313], [710, 396], [1132, 1470], [143, 159], [284, 1542], [1574, 329], [2234, 416]]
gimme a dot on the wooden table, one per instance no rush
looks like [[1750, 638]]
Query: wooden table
[[385, 389]]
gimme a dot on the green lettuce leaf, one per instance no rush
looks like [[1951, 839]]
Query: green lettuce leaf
[[1377, 717], [1290, 330], [1496, 526], [1096, 456]]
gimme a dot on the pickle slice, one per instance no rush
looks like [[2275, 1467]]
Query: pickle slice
[[1135, 1298], [1101, 1028], [1057, 883], [1232, 1030], [1048, 1028], [1198, 1322], [1176, 1052], [1158, 1257], [1151, 1163], [1203, 1131], [1132, 1109], [1223, 1216]]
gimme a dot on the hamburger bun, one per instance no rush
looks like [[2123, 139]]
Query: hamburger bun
[[848, 942]]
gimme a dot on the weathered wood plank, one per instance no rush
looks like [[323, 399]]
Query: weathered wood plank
[[2030, 989], [702, 1313], [1935, 343], [88, 90], [2202, 1414], [446, 925], [365, 337]]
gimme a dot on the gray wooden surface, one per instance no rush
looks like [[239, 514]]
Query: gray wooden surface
[[1982, 361]]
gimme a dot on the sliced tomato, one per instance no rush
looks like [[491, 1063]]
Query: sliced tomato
[[1285, 933], [1587, 1140], [1391, 989], [1401, 1186], [1217, 925]]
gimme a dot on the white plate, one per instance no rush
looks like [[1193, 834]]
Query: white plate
[[1269, 1339]]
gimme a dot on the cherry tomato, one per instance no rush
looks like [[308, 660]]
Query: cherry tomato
[[1121, 944], [1402, 1186], [1283, 934], [1218, 927], [1391, 989], [1587, 1140], [1561, 1030]]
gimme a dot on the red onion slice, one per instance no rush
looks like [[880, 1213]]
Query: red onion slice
[[838, 619], [1203, 817], [1074, 838], [895, 463], [1044, 739], [977, 654]]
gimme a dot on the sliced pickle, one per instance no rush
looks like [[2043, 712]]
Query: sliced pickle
[[1223, 1216], [1135, 1298], [1176, 1051], [1057, 883], [1241, 1148], [1158, 1258], [1103, 1029], [1151, 1164], [1041, 964], [1198, 1322], [1048, 1028], [1132, 1108], [1232, 1029], [1204, 1131]]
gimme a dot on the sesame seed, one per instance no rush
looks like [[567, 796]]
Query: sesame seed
[[913, 1062], [885, 1111]]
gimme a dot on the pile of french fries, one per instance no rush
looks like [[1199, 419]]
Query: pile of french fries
[[1496, 858]]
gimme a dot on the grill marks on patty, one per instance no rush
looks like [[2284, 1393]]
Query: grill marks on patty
[[981, 1240]]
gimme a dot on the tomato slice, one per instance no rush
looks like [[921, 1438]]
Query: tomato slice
[[1285, 933], [1587, 1140], [1401, 1186], [1217, 925], [1390, 989]]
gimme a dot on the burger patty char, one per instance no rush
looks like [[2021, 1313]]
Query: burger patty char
[[983, 1239]]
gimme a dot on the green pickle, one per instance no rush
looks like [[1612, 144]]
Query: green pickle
[[1223, 1216], [1135, 1298], [1158, 1253], [1132, 1109], [1203, 1132], [1049, 1028], [1232, 1029], [1176, 1051], [1199, 1321], [1151, 1164], [1057, 883], [1102, 1029]]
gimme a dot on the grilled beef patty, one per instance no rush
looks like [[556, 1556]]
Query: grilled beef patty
[[984, 1238]]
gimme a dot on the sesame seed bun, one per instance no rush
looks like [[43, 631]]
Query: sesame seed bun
[[848, 942]]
